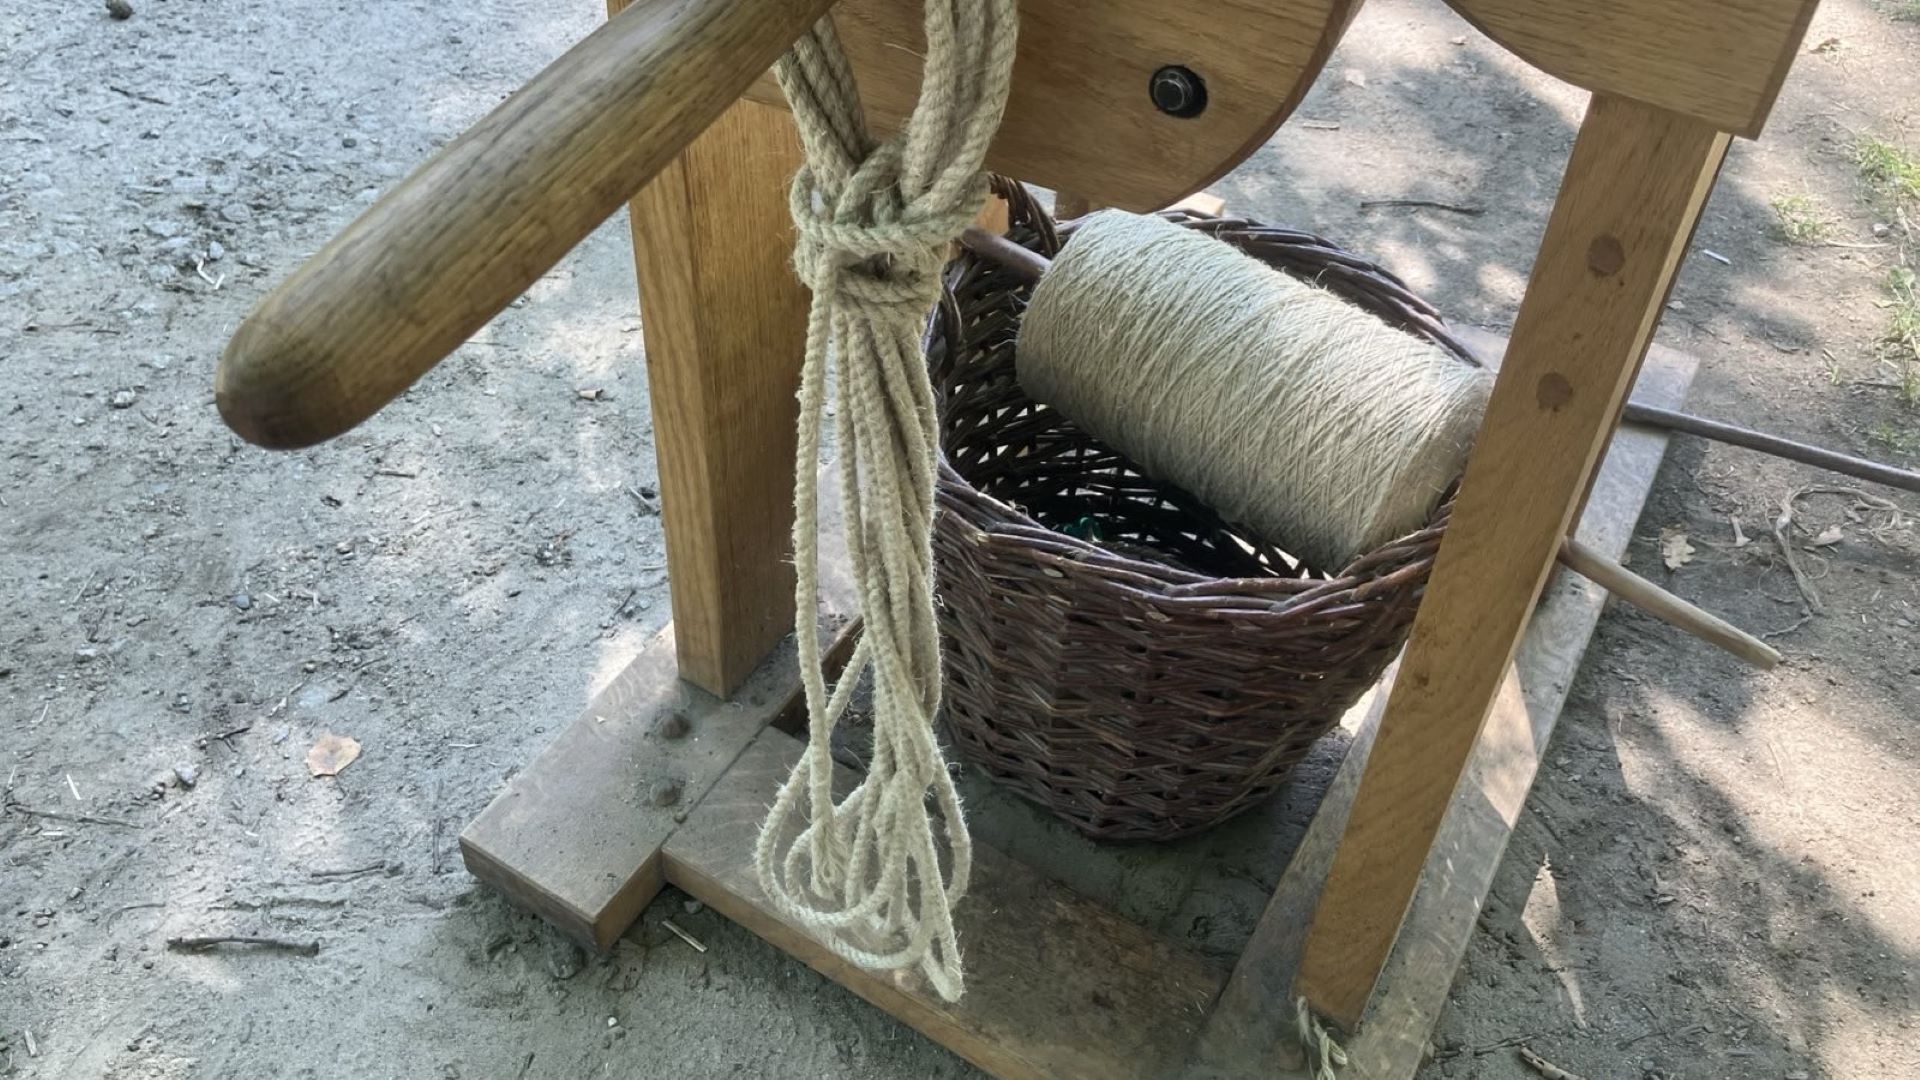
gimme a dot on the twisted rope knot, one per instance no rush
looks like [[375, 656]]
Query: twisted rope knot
[[869, 250]]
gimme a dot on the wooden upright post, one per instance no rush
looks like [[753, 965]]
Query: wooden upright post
[[725, 322], [1633, 192]]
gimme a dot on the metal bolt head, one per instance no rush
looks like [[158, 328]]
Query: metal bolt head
[[1177, 91]]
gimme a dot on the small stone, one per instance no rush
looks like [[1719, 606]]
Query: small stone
[[123, 399], [216, 251], [693, 907], [565, 959], [674, 725], [119, 10], [87, 654], [665, 792], [188, 775], [613, 1022], [164, 229], [1881, 229], [349, 142], [242, 601], [238, 213]]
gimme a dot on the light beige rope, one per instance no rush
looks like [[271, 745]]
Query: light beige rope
[[1325, 1057], [1278, 404], [874, 221]]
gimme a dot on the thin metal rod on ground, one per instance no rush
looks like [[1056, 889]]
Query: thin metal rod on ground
[[1819, 457]]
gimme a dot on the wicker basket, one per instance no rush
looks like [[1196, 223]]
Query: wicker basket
[[1115, 651]]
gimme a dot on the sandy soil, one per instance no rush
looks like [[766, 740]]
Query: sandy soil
[[1716, 877]]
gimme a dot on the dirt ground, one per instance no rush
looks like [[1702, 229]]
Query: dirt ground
[[1718, 874]]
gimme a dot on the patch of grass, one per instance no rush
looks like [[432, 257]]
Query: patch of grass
[[1901, 10], [1895, 439], [1903, 328], [1888, 167], [1801, 220], [1900, 344]]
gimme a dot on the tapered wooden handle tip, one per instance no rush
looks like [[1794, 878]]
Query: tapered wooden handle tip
[[431, 261], [274, 389]]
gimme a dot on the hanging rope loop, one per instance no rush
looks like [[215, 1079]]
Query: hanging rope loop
[[873, 221]]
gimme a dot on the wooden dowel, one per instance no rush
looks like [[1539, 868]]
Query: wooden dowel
[[1663, 605], [438, 256], [1030, 267], [1818, 457]]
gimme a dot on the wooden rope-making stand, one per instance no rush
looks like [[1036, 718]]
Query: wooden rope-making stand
[[666, 776]]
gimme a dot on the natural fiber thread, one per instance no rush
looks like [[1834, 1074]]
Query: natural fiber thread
[[874, 221], [1324, 1056], [1281, 406]]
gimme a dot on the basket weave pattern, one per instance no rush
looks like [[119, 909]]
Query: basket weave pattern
[[1114, 651]]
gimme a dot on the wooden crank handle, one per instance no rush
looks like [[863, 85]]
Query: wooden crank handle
[[1665, 606], [442, 253]]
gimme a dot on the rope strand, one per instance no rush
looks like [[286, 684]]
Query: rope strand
[[873, 221]]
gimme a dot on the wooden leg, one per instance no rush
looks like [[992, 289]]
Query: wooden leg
[[1633, 192], [725, 323]]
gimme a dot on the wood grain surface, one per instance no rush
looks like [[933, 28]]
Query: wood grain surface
[[1633, 191]]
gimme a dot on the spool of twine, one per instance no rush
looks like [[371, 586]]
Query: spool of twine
[[1283, 407]]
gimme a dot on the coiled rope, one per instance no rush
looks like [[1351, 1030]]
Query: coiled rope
[[874, 221]]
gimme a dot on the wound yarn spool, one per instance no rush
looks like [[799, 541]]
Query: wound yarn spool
[[1280, 405]]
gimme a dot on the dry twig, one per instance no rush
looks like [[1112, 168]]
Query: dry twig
[[1546, 1068], [201, 944], [81, 819]]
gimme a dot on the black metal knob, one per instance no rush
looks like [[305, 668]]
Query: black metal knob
[[1177, 91]]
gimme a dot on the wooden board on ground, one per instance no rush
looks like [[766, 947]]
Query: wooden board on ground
[[1058, 988], [576, 835], [1251, 1028]]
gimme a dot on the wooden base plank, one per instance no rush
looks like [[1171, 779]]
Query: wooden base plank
[[576, 836], [1058, 988], [1250, 1031]]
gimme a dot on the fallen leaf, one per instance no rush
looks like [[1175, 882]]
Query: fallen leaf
[[1674, 549], [1739, 538], [1828, 537], [331, 754]]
